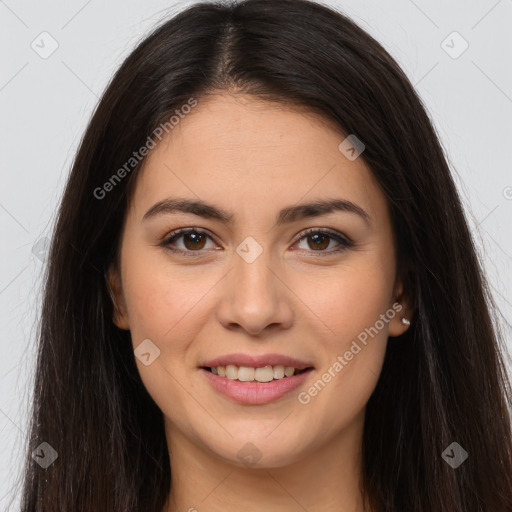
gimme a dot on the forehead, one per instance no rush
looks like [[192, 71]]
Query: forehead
[[254, 156]]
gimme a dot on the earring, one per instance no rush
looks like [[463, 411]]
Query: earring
[[405, 321]]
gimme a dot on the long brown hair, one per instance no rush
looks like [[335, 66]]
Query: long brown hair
[[443, 381]]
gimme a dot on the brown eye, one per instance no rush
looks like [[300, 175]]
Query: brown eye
[[192, 240], [319, 241]]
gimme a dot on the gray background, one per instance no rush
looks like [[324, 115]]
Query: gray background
[[46, 103]]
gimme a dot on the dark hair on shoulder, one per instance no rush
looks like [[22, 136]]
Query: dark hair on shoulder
[[444, 380]]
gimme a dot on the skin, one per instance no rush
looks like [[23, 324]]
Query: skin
[[253, 158]]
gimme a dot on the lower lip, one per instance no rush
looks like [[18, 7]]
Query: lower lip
[[255, 393]]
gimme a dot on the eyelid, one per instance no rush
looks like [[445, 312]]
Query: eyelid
[[343, 240], [325, 231], [173, 235]]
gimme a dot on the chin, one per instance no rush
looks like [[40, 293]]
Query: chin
[[261, 451]]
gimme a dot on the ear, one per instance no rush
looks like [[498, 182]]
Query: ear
[[402, 307], [115, 290]]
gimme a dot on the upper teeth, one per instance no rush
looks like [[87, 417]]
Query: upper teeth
[[248, 374]]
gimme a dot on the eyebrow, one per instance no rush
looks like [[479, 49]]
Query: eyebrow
[[285, 216]]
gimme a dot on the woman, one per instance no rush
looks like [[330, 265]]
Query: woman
[[262, 291]]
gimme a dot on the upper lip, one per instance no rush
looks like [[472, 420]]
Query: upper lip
[[257, 361]]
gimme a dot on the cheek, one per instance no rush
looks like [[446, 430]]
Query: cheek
[[347, 300], [169, 311], [355, 308], [163, 300]]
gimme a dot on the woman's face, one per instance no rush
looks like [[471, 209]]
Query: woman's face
[[248, 290]]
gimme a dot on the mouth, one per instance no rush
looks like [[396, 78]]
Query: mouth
[[262, 374], [255, 380]]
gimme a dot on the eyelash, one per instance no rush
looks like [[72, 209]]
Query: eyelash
[[344, 241]]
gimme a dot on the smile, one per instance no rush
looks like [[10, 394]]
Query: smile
[[266, 373], [255, 392]]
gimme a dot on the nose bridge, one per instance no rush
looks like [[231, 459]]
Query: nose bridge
[[253, 277], [255, 297]]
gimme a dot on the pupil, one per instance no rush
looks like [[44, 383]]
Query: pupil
[[195, 240], [316, 238]]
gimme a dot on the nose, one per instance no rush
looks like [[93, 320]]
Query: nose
[[255, 297]]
